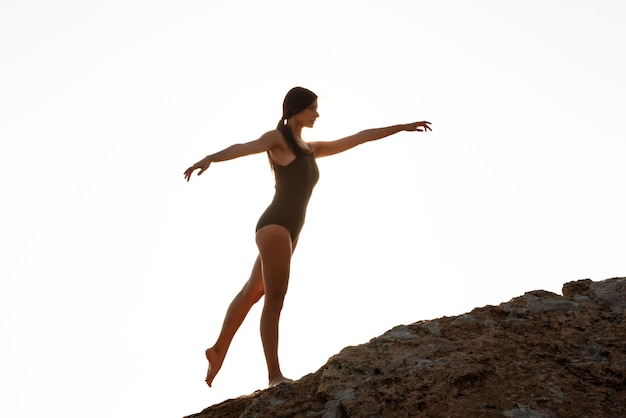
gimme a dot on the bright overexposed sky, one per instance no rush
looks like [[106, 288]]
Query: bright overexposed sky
[[115, 273]]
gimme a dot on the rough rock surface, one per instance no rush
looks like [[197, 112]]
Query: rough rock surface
[[538, 355]]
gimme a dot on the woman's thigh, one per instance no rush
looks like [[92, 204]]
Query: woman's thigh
[[275, 249]]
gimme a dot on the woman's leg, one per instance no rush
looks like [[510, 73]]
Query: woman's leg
[[275, 249], [236, 313]]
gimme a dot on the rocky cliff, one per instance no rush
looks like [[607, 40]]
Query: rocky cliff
[[538, 355]]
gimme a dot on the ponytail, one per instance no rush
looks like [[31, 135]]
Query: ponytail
[[296, 100], [283, 128]]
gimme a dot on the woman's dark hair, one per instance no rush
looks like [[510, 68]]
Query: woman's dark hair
[[296, 100]]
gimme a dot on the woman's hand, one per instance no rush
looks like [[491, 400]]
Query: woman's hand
[[418, 126], [203, 164]]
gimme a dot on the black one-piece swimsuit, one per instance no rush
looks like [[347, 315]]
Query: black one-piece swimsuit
[[294, 185]]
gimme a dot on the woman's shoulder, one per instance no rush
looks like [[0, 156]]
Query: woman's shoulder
[[273, 135], [275, 140]]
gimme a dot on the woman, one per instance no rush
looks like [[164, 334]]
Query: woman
[[293, 162]]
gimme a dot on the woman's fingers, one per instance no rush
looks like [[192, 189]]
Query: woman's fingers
[[419, 126], [424, 125], [193, 168], [189, 172]]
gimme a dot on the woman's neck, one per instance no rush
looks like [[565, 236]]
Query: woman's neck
[[296, 130]]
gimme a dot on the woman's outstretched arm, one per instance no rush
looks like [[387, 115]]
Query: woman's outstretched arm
[[323, 149], [266, 142]]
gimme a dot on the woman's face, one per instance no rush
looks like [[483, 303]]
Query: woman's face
[[308, 116]]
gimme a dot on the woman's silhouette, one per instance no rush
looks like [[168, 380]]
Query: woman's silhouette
[[293, 162]]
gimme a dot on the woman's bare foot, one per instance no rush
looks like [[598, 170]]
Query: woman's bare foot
[[278, 380], [215, 364]]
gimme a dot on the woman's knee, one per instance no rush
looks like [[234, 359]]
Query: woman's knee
[[252, 293], [253, 289], [274, 300], [276, 290]]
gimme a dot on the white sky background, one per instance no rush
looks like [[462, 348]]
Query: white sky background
[[115, 274]]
